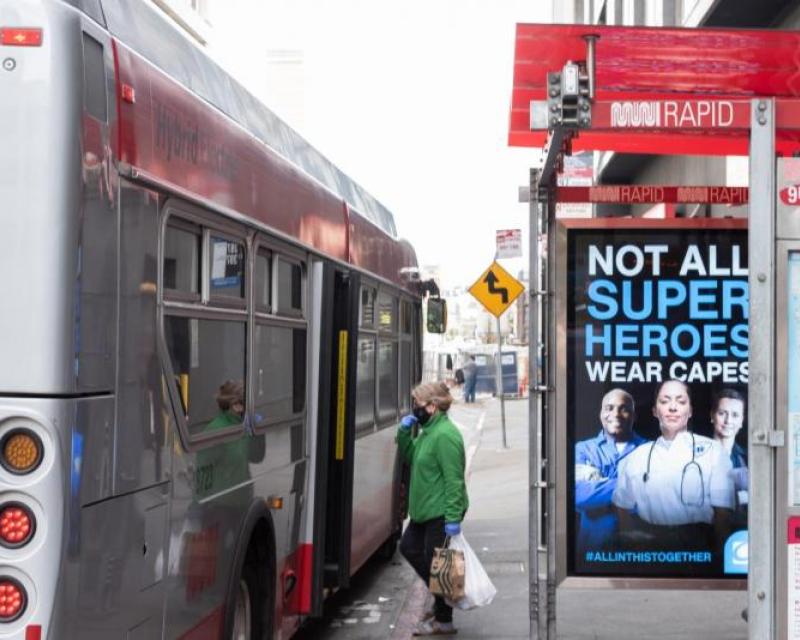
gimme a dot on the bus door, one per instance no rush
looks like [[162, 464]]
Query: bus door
[[333, 490]]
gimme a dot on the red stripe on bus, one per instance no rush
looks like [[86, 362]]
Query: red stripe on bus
[[305, 554], [209, 628]]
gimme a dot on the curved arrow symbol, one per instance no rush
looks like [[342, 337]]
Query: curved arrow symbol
[[491, 280]]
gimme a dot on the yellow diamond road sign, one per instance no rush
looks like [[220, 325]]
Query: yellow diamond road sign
[[496, 289]]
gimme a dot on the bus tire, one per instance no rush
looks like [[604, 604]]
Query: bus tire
[[253, 601], [251, 583]]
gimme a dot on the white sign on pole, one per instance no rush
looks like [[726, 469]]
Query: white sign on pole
[[509, 243]]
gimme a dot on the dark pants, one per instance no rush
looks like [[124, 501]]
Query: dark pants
[[419, 540], [469, 389]]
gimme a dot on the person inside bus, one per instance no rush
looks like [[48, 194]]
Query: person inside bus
[[727, 418], [674, 493], [230, 400], [596, 462], [438, 492], [226, 465]]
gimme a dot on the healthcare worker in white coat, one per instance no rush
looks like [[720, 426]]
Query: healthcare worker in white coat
[[675, 492]]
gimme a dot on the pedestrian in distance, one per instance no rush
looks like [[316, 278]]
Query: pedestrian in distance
[[675, 493], [470, 370], [596, 462], [438, 492]]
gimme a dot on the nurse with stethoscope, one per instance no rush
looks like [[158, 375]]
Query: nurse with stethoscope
[[674, 491]]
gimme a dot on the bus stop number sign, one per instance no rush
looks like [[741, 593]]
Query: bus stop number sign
[[496, 289]]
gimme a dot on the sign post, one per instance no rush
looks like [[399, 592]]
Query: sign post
[[496, 289]]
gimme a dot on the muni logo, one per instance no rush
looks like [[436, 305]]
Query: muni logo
[[672, 114], [635, 114], [736, 552]]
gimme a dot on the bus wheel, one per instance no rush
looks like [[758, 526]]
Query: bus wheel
[[252, 607], [242, 617]]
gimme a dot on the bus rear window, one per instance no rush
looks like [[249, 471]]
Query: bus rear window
[[182, 259]]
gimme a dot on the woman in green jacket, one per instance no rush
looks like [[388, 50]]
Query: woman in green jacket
[[438, 492]]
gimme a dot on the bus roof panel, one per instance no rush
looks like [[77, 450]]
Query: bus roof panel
[[143, 29]]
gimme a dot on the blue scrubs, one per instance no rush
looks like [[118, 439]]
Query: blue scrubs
[[597, 521]]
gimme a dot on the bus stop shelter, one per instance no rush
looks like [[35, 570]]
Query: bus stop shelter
[[710, 92]]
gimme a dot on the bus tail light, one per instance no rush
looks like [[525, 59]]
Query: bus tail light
[[13, 599], [21, 451], [15, 37], [17, 525]]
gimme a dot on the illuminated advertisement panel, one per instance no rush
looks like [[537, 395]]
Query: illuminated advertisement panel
[[656, 381]]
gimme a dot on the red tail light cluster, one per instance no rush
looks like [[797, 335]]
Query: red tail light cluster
[[17, 525], [15, 37], [13, 599]]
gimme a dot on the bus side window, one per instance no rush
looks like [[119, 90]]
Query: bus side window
[[205, 354], [280, 359], [182, 259], [365, 384], [289, 284], [388, 357], [227, 268], [406, 310], [263, 278]]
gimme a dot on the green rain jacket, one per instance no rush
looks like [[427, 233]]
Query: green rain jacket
[[437, 462]]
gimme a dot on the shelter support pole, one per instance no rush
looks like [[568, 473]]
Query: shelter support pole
[[541, 495], [549, 417], [762, 596], [537, 591]]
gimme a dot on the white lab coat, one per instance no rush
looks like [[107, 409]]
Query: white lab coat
[[676, 492]]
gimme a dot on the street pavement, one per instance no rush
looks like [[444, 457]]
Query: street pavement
[[386, 601]]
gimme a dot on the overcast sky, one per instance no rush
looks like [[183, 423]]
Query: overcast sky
[[411, 99]]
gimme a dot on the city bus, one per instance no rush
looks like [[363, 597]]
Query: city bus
[[207, 335]]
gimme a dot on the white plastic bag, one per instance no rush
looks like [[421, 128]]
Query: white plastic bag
[[478, 588]]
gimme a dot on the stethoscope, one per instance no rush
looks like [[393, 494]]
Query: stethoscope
[[688, 465]]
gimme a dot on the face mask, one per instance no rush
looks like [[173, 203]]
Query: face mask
[[421, 414]]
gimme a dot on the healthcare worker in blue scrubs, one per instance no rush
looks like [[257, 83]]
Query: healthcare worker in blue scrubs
[[596, 461]]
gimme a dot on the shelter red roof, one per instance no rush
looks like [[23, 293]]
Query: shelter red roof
[[643, 63]]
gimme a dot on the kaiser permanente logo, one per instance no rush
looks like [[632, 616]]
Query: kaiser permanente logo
[[736, 552], [676, 114]]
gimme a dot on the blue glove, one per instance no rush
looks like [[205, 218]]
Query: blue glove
[[408, 421], [452, 528]]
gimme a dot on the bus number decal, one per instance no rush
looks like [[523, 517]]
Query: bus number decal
[[341, 395], [204, 478]]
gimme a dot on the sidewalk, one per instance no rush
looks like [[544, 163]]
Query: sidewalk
[[496, 527]]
